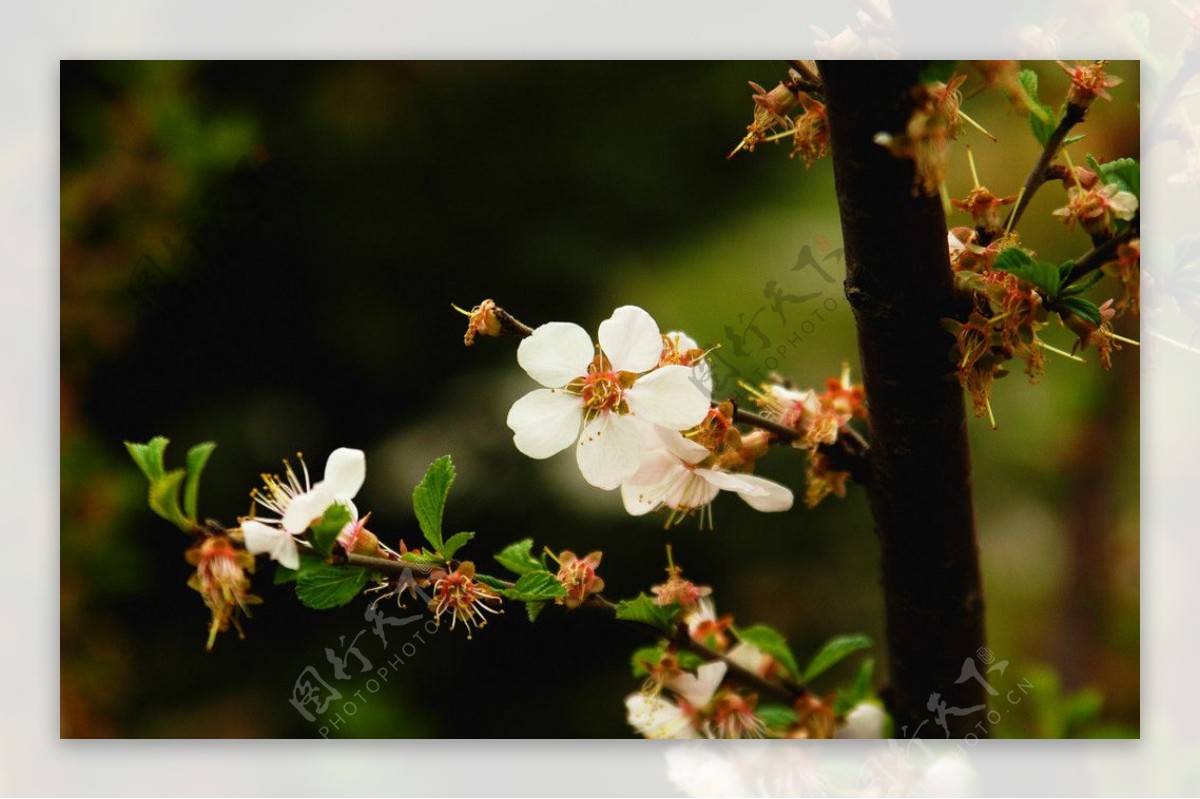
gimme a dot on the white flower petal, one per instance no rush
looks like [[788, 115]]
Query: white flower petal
[[630, 340], [681, 447], [275, 543], [345, 472], [1124, 204], [698, 688], [306, 507], [749, 657], [727, 481], [864, 720], [770, 497], [556, 353], [655, 717], [545, 421], [670, 397], [649, 486], [610, 450]]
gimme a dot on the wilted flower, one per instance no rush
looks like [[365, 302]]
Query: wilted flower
[[1127, 268], [771, 109], [810, 139], [1088, 82], [578, 576], [482, 321], [678, 590], [936, 120], [704, 627], [603, 392], [1100, 335], [732, 716], [984, 207], [221, 580], [823, 479], [463, 597]]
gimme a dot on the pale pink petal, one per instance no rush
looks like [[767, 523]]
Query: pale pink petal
[[653, 482], [690, 492], [698, 688], [769, 496], [670, 397], [657, 465], [630, 340], [610, 450], [345, 472], [556, 353], [307, 507], [275, 543], [750, 658], [545, 421], [1124, 205]]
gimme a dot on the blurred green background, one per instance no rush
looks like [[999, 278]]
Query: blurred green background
[[264, 254]]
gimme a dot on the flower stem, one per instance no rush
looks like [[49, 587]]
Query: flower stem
[[1037, 176]]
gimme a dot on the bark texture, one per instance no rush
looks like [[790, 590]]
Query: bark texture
[[899, 283]]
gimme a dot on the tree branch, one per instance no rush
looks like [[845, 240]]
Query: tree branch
[[899, 284], [1037, 176], [1098, 256]]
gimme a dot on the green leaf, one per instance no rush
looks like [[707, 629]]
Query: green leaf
[[1083, 308], [1029, 82], [834, 650], [491, 581], [197, 458], [534, 609], [284, 575], [518, 558], [1043, 130], [454, 543], [535, 586], [770, 641], [324, 585], [777, 717], [1040, 273], [645, 658], [1074, 138], [164, 499], [936, 72], [644, 609], [1082, 284], [429, 499], [327, 528], [858, 690], [1124, 172], [149, 456]]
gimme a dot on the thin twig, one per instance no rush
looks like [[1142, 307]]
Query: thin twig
[[1037, 176], [1098, 256]]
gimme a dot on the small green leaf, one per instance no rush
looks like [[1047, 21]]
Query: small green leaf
[[777, 717], [936, 72], [1082, 284], [284, 575], [197, 458], [1043, 130], [429, 499], [454, 543], [324, 585], [534, 609], [325, 531], [772, 643], [491, 581], [834, 650], [535, 586], [858, 690], [1074, 138], [1124, 172], [518, 558], [645, 610], [1083, 308], [1040, 273], [164, 499], [149, 456]]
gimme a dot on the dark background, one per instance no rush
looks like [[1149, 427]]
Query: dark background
[[264, 255]]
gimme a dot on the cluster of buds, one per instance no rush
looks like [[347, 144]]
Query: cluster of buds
[[820, 418], [220, 578]]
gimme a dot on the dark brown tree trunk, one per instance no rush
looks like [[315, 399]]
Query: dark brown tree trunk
[[899, 283]]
